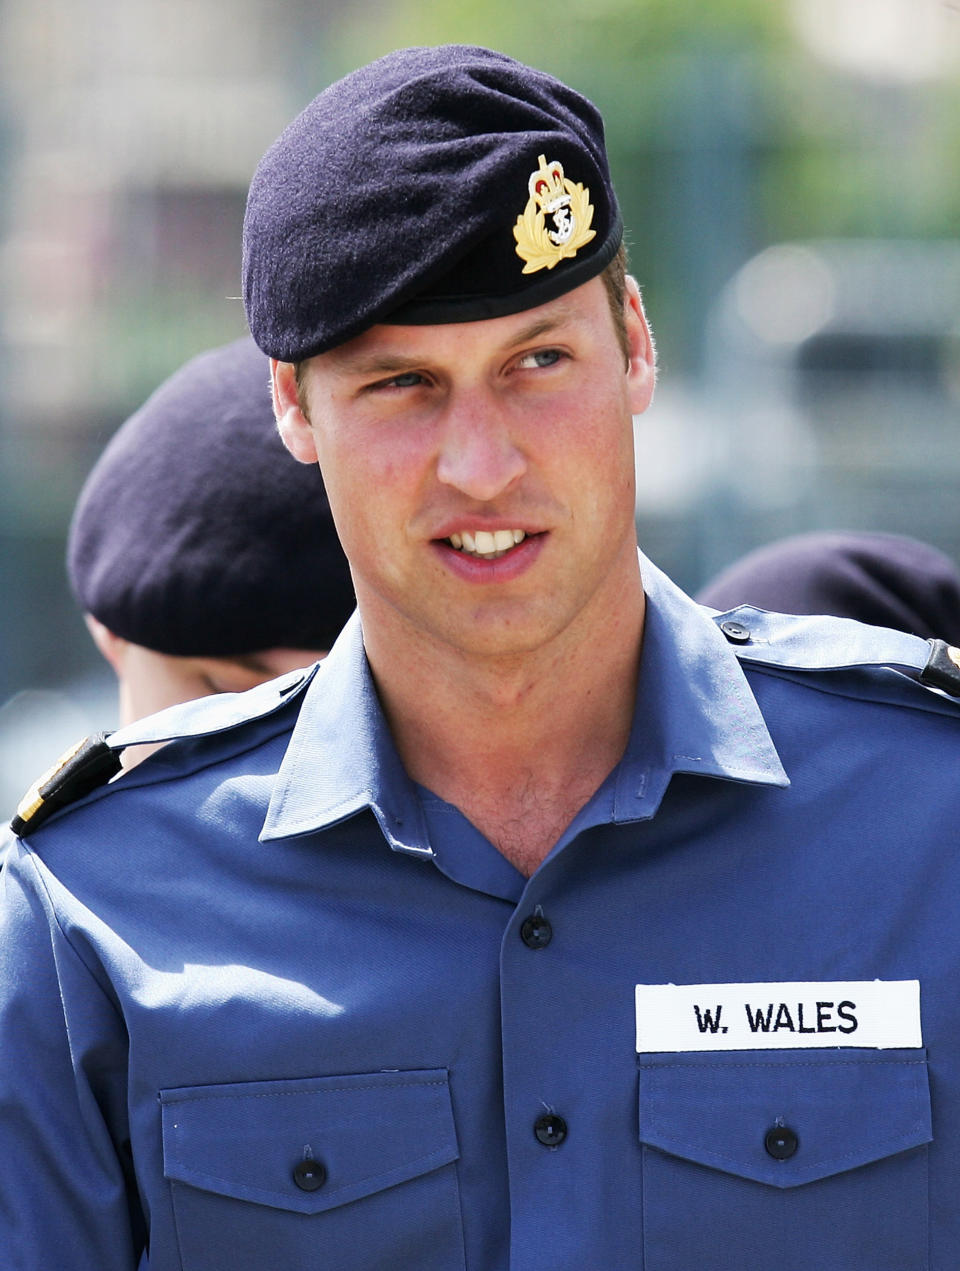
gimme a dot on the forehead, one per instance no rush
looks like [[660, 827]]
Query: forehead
[[584, 310]]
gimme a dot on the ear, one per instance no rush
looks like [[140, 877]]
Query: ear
[[642, 363], [294, 426], [111, 646]]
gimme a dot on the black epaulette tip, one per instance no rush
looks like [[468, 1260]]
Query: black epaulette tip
[[943, 668], [88, 764]]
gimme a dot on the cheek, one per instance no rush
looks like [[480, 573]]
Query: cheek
[[156, 687], [371, 470], [601, 465], [363, 489], [601, 440]]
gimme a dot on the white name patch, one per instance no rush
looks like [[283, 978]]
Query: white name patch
[[879, 1014]]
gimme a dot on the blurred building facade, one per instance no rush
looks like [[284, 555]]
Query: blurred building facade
[[830, 399], [129, 135]]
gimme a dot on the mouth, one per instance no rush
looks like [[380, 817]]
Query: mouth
[[486, 544]]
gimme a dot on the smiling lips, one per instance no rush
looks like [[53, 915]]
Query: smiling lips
[[486, 544]]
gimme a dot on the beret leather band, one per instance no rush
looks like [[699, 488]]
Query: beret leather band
[[424, 310]]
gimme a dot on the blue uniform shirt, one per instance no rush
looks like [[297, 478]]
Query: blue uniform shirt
[[266, 1003]]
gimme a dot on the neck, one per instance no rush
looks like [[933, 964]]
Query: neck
[[520, 742]]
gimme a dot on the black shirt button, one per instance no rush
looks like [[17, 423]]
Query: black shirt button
[[781, 1142], [550, 1130], [735, 632], [309, 1175], [536, 932]]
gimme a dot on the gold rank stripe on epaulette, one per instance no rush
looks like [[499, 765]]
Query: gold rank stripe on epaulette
[[85, 766], [943, 668]]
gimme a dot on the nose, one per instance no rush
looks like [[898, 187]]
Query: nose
[[478, 454]]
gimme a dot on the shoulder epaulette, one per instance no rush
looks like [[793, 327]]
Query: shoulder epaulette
[[802, 643], [942, 669], [95, 760], [85, 766]]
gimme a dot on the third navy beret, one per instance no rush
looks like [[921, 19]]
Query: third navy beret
[[888, 580], [434, 185]]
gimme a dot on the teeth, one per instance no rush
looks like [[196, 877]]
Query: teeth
[[489, 544]]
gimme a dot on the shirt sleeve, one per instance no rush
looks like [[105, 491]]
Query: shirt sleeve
[[66, 1195]]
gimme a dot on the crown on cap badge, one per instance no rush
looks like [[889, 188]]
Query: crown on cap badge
[[556, 221]]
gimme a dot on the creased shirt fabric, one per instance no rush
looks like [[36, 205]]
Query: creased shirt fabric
[[265, 1003]]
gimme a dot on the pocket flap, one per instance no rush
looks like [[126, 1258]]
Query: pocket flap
[[364, 1132], [838, 1110]]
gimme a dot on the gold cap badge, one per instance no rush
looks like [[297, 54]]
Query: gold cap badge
[[556, 221]]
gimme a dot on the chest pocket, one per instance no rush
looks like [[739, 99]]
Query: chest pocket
[[787, 1159], [354, 1171]]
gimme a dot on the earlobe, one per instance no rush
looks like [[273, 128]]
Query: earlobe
[[642, 364], [293, 425]]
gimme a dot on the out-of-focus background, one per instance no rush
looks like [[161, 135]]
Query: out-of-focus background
[[789, 172]]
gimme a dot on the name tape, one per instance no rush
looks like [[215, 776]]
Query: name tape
[[878, 1014]]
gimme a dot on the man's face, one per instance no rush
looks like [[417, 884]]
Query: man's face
[[481, 474], [150, 681]]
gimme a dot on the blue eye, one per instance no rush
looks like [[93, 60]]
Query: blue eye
[[543, 357], [403, 379]]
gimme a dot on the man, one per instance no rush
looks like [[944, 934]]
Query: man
[[549, 922], [203, 559]]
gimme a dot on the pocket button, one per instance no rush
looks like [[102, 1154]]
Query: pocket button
[[781, 1142], [309, 1175]]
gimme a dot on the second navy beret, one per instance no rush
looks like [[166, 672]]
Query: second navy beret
[[197, 534]]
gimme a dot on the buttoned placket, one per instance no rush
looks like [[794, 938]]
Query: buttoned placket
[[554, 1002]]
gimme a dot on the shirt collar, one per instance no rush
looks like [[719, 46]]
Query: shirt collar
[[341, 757], [695, 710], [694, 713]]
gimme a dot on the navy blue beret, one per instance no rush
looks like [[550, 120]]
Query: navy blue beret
[[196, 533], [433, 185], [887, 580]]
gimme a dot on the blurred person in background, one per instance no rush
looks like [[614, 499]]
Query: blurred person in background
[[550, 921], [887, 580], [204, 558]]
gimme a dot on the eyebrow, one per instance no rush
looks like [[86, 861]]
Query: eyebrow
[[387, 363], [375, 364], [537, 329]]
